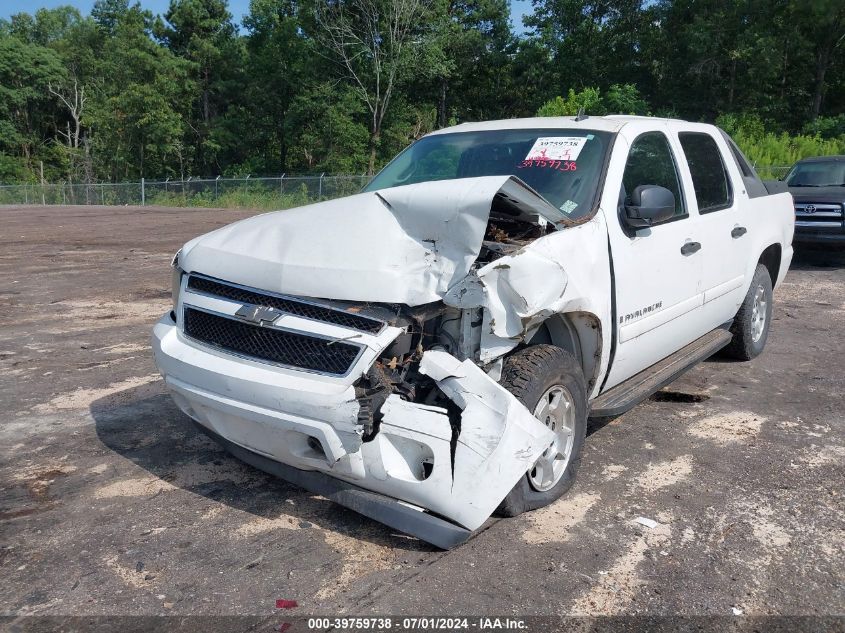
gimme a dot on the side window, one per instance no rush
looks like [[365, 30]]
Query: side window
[[709, 177], [741, 161], [651, 162]]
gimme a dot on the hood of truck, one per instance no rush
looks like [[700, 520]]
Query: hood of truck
[[833, 195], [405, 245]]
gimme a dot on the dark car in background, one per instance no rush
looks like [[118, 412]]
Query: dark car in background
[[818, 188]]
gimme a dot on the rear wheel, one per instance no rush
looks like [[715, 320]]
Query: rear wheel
[[750, 328], [549, 382]]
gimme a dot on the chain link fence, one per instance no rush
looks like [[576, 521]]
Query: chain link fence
[[263, 193], [278, 192], [772, 172]]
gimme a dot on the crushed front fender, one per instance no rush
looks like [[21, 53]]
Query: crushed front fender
[[496, 441]]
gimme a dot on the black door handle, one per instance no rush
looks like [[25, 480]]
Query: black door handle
[[690, 247], [738, 231]]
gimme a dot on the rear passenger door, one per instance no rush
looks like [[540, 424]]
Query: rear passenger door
[[717, 198]]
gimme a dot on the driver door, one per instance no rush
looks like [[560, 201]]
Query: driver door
[[657, 270]]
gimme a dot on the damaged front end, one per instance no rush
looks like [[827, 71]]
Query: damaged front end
[[430, 414], [391, 387]]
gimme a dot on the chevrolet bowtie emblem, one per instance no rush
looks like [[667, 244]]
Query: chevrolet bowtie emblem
[[257, 314]]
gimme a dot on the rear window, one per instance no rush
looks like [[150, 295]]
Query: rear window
[[741, 161], [709, 177]]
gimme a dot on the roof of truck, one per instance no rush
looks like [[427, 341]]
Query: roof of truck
[[610, 123]]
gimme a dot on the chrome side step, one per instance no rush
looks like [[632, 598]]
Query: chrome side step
[[624, 396]]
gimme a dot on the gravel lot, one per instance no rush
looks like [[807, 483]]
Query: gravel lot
[[112, 504]]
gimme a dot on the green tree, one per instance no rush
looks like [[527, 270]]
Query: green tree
[[331, 133], [625, 99], [825, 21], [587, 100], [278, 61], [619, 99], [26, 108], [465, 58], [373, 44], [109, 13], [714, 57], [593, 43], [138, 117], [342, 85], [201, 32]]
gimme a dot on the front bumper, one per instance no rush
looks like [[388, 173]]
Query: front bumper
[[401, 516], [806, 236], [297, 425]]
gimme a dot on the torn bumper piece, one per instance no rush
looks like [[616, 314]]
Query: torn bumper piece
[[499, 439], [304, 424], [392, 512]]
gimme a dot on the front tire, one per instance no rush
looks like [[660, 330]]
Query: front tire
[[750, 328], [550, 383]]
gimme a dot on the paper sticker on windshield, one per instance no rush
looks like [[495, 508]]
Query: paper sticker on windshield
[[568, 207], [556, 148]]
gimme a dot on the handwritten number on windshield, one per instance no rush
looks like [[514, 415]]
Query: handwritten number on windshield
[[559, 165]]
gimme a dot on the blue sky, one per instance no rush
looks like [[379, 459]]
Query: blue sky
[[236, 7]]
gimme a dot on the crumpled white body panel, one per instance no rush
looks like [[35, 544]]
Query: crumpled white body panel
[[402, 245], [498, 443], [520, 291]]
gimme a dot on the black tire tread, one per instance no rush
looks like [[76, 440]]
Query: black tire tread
[[520, 374], [521, 368], [742, 346]]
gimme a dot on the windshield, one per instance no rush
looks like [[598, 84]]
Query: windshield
[[827, 174], [562, 165]]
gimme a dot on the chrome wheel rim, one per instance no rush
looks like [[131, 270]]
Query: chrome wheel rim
[[758, 314], [555, 409]]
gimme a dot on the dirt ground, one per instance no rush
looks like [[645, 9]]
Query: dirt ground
[[112, 504]]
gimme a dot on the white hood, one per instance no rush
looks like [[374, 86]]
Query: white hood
[[401, 245]]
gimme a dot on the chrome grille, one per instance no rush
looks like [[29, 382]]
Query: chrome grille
[[290, 305], [268, 344], [818, 215]]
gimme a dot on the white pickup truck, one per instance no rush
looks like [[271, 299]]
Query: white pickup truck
[[429, 350]]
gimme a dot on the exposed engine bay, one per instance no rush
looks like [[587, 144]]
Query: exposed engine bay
[[437, 326], [510, 228]]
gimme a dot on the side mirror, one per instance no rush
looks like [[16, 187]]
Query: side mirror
[[650, 204]]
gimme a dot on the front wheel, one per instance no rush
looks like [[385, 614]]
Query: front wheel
[[750, 328], [550, 383]]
